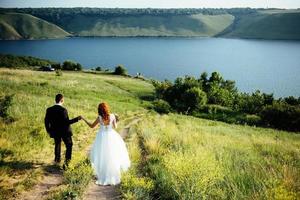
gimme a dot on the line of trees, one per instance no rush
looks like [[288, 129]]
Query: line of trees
[[215, 98], [67, 65], [11, 61]]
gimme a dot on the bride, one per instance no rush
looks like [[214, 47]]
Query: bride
[[109, 155]]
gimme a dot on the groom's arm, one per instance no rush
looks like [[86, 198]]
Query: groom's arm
[[70, 121], [47, 122]]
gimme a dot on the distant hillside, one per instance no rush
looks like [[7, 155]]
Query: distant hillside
[[147, 25], [266, 25], [14, 26], [235, 23]]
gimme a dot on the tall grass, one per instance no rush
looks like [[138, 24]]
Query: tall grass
[[190, 158], [24, 144]]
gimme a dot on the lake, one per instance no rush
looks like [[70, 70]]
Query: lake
[[270, 66]]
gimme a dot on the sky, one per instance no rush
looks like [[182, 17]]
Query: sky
[[153, 3]]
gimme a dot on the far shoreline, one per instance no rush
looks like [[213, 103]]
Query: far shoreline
[[153, 37]]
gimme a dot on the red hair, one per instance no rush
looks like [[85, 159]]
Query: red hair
[[103, 111]]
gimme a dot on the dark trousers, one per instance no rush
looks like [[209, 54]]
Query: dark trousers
[[68, 143]]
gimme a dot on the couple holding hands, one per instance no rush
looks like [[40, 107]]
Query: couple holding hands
[[109, 155]]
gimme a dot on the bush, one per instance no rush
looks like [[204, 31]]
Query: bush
[[161, 106], [253, 103], [98, 69], [281, 116], [120, 70], [58, 72], [252, 120], [220, 96], [56, 66], [292, 100], [72, 66], [215, 109], [5, 104], [194, 98]]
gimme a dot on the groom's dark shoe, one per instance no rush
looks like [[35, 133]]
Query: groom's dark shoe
[[65, 166]]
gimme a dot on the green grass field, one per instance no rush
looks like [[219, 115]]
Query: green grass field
[[24, 26], [173, 156], [181, 157], [24, 144]]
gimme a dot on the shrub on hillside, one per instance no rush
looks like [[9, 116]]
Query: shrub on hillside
[[214, 109], [292, 100], [72, 66], [252, 120], [58, 72], [281, 116], [194, 98], [161, 106], [120, 70], [253, 103], [56, 66], [220, 96], [5, 104], [98, 68]]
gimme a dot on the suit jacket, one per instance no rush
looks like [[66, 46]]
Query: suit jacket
[[57, 122]]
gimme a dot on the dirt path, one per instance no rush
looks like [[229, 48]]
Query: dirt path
[[107, 192], [53, 177]]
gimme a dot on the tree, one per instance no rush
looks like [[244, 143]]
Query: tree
[[5, 103], [161, 106], [216, 78], [120, 70], [204, 81], [98, 69], [56, 66], [194, 98], [70, 65]]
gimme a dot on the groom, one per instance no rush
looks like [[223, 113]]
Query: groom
[[57, 124]]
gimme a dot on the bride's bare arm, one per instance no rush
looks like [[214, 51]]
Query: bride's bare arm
[[115, 125], [92, 125]]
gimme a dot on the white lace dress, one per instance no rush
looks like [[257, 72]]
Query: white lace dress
[[109, 155]]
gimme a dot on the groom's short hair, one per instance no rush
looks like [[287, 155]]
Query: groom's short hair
[[58, 97]]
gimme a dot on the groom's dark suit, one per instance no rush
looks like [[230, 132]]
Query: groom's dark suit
[[57, 124]]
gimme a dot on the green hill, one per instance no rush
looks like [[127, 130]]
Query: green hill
[[147, 25], [15, 26], [235, 23], [271, 24]]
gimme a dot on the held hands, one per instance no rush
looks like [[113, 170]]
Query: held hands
[[82, 118]]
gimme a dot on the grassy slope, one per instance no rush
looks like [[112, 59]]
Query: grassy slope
[[190, 158], [176, 154], [25, 144], [195, 25], [24, 26], [266, 25]]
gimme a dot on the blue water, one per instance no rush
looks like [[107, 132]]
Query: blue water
[[270, 66]]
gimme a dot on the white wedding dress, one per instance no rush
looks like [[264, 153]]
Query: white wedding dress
[[109, 155]]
